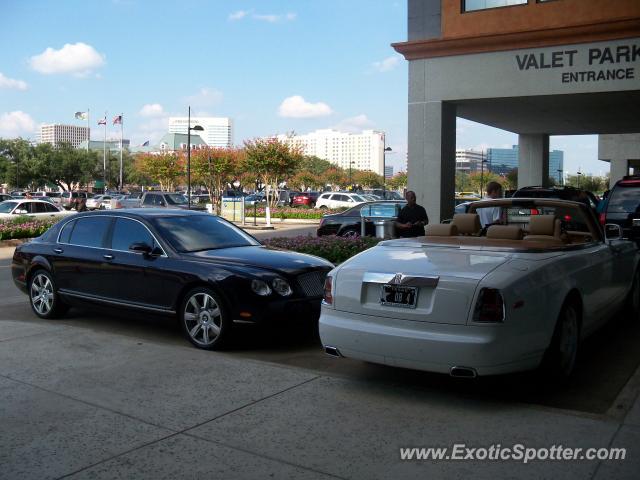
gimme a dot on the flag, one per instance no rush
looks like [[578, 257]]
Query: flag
[[102, 121], [146, 144], [117, 120], [81, 115]]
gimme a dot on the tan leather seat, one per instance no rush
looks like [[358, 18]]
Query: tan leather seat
[[467, 223], [544, 228], [505, 232], [441, 230]]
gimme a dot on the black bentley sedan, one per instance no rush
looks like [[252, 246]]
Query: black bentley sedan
[[349, 222], [196, 266]]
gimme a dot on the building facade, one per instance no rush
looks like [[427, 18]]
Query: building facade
[[359, 151], [177, 142], [218, 131], [535, 68], [113, 145], [503, 160], [55, 134], [388, 171], [469, 160]]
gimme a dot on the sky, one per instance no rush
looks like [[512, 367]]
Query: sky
[[272, 66]]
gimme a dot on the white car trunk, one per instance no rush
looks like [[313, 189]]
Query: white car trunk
[[445, 280]]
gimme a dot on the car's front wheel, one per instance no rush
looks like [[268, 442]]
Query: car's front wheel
[[204, 319], [561, 356], [43, 296]]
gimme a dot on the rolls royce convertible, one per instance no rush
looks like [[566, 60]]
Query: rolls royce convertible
[[197, 267], [470, 301]]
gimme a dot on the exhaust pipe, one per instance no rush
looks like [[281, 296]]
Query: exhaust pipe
[[333, 351], [463, 372]]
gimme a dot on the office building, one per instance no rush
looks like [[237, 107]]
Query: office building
[[218, 131], [388, 171], [113, 145], [503, 160], [55, 134], [469, 160]]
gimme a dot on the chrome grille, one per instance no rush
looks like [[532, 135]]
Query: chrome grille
[[312, 283]]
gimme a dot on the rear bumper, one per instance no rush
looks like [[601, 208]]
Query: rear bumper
[[490, 350]]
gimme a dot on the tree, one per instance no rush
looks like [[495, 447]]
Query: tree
[[463, 182], [314, 165], [479, 180], [512, 178], [17, 162], [272, 161], [398, 181], [166, 168], [65, 166], [367, 179], [588, 182], [304, 180], [215, 168], [335, 177]]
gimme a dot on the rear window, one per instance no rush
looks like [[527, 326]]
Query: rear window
[[90, 231], [624, 199]]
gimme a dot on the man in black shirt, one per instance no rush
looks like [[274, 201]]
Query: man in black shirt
[[412, 218]]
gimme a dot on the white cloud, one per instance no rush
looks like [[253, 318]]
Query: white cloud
[[298, 107], [6, 82], [151, 130], [78, 58], [15, 124], [206, 97], [387, 64], [151, 110], [275, 18], [239, 15], [354, 124]]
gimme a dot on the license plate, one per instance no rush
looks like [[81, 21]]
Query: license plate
[[397, 296]]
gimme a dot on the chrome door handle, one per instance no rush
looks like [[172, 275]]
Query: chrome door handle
[[107, 257], [58, 250]]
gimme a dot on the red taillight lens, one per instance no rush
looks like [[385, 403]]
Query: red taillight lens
[[603, 219], [567, 218], [328, 291], [489, 307], [535, 211]]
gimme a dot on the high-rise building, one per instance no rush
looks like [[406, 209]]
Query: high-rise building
[[469, 160], [55, 134], [218, 131], [360, 151], [388, 171], [503, 160]]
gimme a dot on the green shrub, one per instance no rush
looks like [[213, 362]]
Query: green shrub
[[333, 248]]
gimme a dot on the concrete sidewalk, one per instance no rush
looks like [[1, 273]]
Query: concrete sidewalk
[[84, 403]]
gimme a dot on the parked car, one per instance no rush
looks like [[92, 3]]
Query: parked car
[[454, 302], [197, 267], [384, 194], [5, 196], [622, 206], [167, 200], [338, 200], [307, 199], [255, 198], [131, 200], [349, 222], [98, 202], [561, 193], [30, 207], [68, 199]]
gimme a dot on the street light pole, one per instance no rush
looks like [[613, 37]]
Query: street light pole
[[482, 173], [384, 167], [198, 128]]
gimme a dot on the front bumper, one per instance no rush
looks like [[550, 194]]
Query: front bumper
[[490, 350], [279, 309]]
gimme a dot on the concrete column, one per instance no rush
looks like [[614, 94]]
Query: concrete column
[[618, 169], [432, 157], [533, 160]]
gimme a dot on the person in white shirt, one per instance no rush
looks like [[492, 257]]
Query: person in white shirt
[[491, 215]]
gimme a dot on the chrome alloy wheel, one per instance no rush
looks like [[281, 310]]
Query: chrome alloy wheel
[[202, 319], [41, 294]]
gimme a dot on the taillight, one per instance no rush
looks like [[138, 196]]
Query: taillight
[[603, 219], [535, 211], [567, 218], [327, 298], [489, 307]]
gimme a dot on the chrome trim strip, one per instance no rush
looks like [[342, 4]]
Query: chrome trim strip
[[400, 279], [96, 298]]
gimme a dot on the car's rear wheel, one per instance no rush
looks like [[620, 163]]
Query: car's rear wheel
[[561, 356], [43, 296], [322, 207], [350, 233], [204, 319]]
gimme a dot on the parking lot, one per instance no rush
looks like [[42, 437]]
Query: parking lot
[[97, 395]]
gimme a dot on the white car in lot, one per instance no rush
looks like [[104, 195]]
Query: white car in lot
[[468, 302], [339, 200], [32, 208]]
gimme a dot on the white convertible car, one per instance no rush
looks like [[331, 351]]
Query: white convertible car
[[468, 301]]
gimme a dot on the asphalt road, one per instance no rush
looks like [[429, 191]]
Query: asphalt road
[[607, 361]]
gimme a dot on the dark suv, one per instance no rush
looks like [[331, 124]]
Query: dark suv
[[622, 206], [560, 193]]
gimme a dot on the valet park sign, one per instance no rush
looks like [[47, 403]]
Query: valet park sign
[[590, 64]]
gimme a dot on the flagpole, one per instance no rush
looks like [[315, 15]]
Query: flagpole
[[104, 155], [121, 135]]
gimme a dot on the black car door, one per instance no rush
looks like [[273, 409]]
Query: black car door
[[79, 257]]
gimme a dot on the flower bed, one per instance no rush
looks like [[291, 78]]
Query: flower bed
[[333, 248], [24, 227], [290, 212]]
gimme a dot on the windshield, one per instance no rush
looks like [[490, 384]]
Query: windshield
[[176, 199], [6, 207], [358, 198], [192, 233], [624, 199]]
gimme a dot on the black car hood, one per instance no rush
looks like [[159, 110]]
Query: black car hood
[[264, 257]]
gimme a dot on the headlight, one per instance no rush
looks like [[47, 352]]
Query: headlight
[[282, 287], [260, 287]]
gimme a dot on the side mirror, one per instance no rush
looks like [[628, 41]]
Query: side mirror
[[141, 247], [612, 231]]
